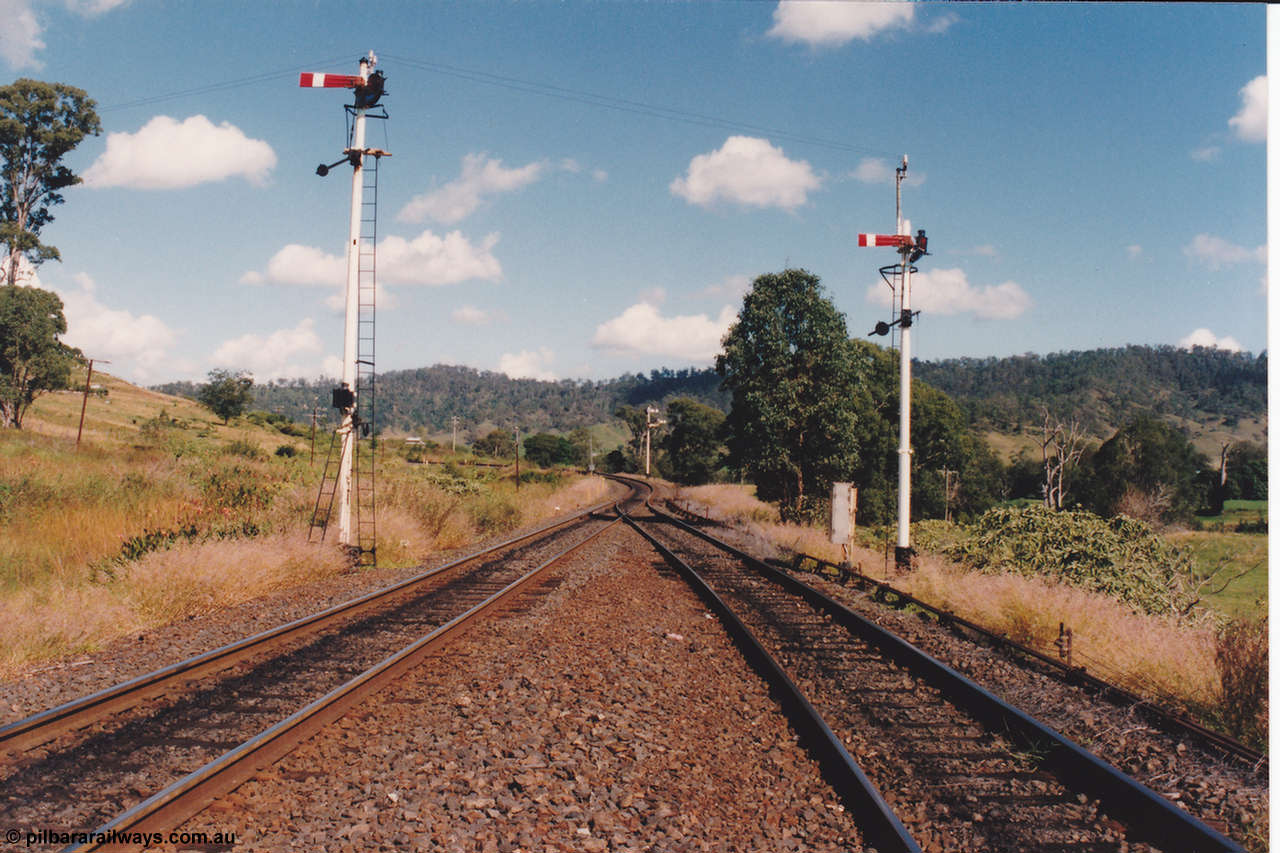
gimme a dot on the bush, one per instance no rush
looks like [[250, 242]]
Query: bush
[[286, 450], [494, 513], [239, 447], [1119, 557], [1242, 667]]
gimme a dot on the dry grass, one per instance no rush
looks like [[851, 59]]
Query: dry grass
[[1151, 655], [148, 521], [1162, 657], [195, 579]]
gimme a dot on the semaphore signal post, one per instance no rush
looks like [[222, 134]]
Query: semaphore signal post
[[898, 277], [348, 478]]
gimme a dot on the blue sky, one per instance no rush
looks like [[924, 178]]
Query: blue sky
[[582, 189]]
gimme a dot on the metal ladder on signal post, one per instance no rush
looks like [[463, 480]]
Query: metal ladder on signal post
[[366, 444]]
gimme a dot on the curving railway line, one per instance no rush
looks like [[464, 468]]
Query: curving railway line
[[921, 757]]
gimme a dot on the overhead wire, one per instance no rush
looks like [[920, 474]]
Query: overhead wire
[[547, 90], [596, 99], [225, 85]]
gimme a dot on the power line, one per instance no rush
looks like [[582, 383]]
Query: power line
[[595, 99]]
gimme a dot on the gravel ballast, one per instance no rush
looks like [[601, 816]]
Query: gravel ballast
[[613, 714]]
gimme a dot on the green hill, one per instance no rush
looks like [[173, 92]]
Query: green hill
[[1214, 395]]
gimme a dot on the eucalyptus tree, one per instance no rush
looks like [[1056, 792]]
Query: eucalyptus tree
[[39, 124]]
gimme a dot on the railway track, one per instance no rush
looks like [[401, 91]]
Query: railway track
[[926, 757], [143, 756]]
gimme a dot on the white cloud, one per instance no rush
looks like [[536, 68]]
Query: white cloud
[[432, 260], [1216, 252], [641, 329], [469, 315], [138, 346], [874, 170], [481, 177], [730, 287], [1206, 338], [92, 8], [820, 23], [746, 171], [1250, 123], [1207, 154], [877, 170], [528, 364], [427, 259], [281, 354], [20, 36], [336, 301], [298, 264], [167, 154], [948, 291]]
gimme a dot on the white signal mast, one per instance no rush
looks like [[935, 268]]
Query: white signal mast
[[357, 355], [911, 251]]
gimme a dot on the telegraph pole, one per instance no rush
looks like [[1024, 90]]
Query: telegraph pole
[[454, 421], [84, 403], [910, 250]]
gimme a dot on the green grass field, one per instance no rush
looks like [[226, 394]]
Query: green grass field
[[1233, 554], [1218, 546]]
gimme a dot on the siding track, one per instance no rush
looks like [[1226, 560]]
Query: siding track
[[964, 770]]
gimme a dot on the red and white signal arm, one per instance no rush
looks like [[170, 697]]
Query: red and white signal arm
[[309, 80], [883, 240]]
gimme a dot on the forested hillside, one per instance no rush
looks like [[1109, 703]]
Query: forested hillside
[[426, 398], [1106, 388], [1103, 388]]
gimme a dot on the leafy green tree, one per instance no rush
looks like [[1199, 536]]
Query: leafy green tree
[[583, 444], [39, 124], [693, 441], [616, 462], [546, 449], [636, 419], [32, 359], [499, 443], [941, 441], [796, 394], [1246, 472], [226, 394], [1147, 470]]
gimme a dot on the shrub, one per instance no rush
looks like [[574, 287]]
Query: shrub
[[286, 450], [494, 513], [239, 447], [1119, 557], [1242, 667]]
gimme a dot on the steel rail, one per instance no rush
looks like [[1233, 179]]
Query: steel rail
[[1162, 717], [40, 728], [873, 815], [1149, 816], [177, 802]]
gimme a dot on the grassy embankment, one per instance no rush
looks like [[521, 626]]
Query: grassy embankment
[[165, 514], [1172, 659]]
